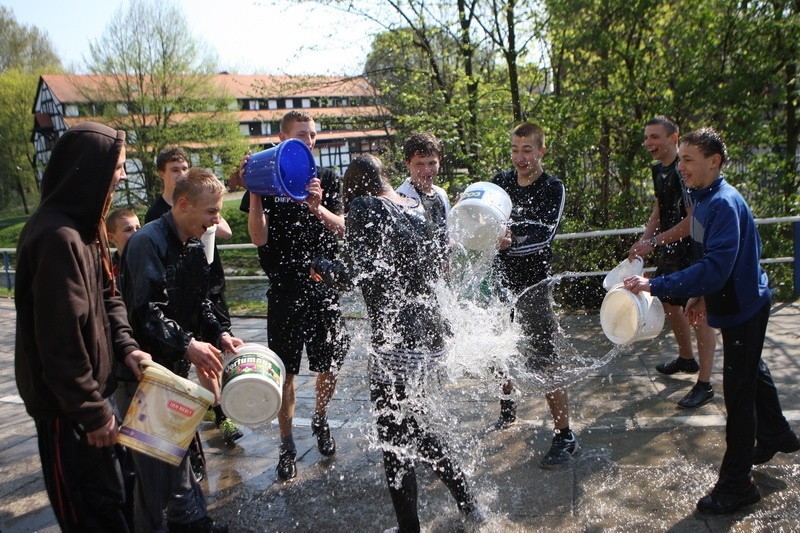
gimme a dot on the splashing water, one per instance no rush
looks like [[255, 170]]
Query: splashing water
[[487, 347]]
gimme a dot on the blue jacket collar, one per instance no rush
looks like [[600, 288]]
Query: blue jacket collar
[[699, 194]]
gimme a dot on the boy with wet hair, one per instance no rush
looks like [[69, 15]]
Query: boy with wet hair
[[728, 286], [173, 164], [667, 235], [300, 313], [422, 154], [166, 285], [522, 263]]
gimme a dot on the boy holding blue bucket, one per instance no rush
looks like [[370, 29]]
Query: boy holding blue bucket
[[728, 286], [289, 234]]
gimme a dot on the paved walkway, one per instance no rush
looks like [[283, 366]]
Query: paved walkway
[[643, 466]]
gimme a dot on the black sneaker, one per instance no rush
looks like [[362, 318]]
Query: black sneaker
[[508, 414], [786, 443], [204, 525], [325, 442], [728, 498], [697, 396], [679, 364], [287, 464], [564, 449]]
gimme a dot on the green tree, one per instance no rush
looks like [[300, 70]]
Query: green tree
[[24, 52], [160, 80], [26, 48]]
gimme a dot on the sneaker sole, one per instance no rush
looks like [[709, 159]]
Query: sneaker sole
[[572, 458], [730, 510], [665, 373]]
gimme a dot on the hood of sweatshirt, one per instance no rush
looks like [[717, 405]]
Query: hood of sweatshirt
[[78, 176]]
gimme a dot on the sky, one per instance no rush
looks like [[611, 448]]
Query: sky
[[249, 36]]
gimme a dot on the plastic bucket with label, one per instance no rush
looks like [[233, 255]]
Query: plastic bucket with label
[[284, 170], [252, 385], [479, 218], [626, 317], [164, 414]]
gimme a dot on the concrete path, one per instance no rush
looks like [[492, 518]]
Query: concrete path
[[644, 463]]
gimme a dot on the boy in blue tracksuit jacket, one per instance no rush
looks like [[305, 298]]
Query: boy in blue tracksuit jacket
[[728, 285]]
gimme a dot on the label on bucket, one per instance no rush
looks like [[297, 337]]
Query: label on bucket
[[472, 194], [250, 364]]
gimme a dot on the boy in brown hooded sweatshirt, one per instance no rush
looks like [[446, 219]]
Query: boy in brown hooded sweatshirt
[[72, 328]]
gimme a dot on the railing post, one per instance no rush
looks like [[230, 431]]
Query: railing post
[[796, 261], [7, 267]]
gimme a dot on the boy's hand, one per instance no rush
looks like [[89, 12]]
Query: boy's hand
[[133, 359], [636, 284], [205, 357], [314, 199], [505, 241]]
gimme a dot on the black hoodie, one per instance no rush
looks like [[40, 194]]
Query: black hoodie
[[70, 323]]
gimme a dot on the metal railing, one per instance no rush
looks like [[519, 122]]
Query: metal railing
[[8, 272]]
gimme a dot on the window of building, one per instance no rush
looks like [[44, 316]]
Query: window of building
[[305, 102], [254, 128], [71, 110], [122, 109], [336, 156], [244, 128], [252, 105], [272, 104]]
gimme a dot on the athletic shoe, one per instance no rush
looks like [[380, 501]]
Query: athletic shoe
[[679, 364], [728, 498], [287, 464], [786, 443], [230, 433], [564, 449], [325, 442], [697, 396], [204, 525], [508, 414]]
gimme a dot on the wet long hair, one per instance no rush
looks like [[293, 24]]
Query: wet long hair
[[365, 176]]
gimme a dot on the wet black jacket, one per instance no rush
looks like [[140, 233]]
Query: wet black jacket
[[390, 253], [165, 284], [70, 325]]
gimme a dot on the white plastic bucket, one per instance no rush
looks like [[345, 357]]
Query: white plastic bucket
[[626, 317], [252, 385], [479, 218], [164, 414], [623, 270]]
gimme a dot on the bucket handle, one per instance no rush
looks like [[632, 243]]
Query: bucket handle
[[160, 368]]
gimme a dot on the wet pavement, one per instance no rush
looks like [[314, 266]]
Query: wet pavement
[[644, 462]]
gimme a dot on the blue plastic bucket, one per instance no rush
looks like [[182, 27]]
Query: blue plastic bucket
[[284, 170]]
